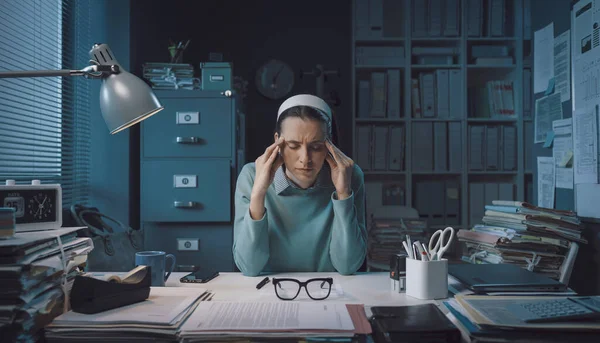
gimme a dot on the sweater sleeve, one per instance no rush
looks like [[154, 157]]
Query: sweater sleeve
[[250, 237], [348, 244]]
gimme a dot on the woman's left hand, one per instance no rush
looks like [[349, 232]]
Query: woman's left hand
[[341, 170]]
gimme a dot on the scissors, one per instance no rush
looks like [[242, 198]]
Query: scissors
[[438, 249]]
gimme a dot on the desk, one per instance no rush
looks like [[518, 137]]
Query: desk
[[370, 289]]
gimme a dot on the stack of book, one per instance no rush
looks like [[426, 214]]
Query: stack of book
[[171, 76], [36, 270], [386, 236], [542, 240]]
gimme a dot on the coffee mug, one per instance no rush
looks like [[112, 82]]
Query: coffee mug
[[156, 261]]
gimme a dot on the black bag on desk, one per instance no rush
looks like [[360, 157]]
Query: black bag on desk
[[114, 250], [421, 323]]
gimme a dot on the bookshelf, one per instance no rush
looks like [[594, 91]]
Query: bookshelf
[[376, 50]]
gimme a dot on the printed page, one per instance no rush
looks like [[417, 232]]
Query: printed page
[[546, 182], [562, 152], [585, 143]]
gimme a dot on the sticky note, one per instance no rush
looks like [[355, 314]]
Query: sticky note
[[549, 139], [550, 88], [566, 159]]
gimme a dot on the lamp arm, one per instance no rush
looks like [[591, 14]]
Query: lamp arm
[[93, 71]]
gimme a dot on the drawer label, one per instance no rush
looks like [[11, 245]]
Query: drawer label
[[188, 117], [185, 181]]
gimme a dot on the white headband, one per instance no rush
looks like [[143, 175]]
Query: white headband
[[310, 101]]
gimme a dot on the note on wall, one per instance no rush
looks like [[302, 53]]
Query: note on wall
[[587, 197], [585, 144], [545, 168], [562, 65], [586, 54], [543, 68], [562, 152], [547, 110]]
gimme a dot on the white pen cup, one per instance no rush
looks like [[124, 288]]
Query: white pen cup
[[427, 280]]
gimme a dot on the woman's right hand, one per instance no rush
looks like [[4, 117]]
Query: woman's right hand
[[266, 166]]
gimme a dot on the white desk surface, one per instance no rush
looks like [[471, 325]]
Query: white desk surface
[[370, 289]]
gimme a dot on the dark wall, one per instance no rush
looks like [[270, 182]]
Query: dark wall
[[248, 33]]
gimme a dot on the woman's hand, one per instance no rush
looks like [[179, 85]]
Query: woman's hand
[[341, 170], [266, 166]]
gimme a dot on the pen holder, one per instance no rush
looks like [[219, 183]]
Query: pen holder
[[427, 280]]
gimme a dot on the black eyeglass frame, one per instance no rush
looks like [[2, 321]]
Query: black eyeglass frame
[[301, 284]]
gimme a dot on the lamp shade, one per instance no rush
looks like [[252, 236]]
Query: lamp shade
[[125, 99]]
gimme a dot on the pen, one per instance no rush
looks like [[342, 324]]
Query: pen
[[408, 252], [262, 283]]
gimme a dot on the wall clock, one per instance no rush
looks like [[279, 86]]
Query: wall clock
[[274, 79]]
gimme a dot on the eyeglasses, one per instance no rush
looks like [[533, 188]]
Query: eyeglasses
[[317, 289]]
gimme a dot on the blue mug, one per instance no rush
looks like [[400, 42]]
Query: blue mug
[[156, 261]]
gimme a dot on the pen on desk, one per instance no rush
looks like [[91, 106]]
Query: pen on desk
[[262, 283], [426, 251]]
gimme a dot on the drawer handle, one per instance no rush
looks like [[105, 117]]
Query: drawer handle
[[187, 140], [185, 204]]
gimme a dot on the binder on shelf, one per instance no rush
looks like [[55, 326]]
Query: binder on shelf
[[394, 93], [452, 208], [440, 139], [422, 145], [496, 18], [435, 18], [506, 191], [476, 146], [420, 20], [378, 95], [364, 98], [527, 93], [415, 99], [492, 148], [490, 193], [379, 55], [376, 18], [392, 27], [380, 138], [526, 19], [528, 144], [509, 148], [455, 94], [437, 202], [476, 203], [454, 146], [474, 17], [451, 19], [396, 157], [442, 93], [361, 18], [363, 147], [427, 88]]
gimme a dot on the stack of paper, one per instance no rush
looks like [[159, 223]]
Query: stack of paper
[[34, 274], [386, 236], [540, 239], [157, 318], [171, 76], [213, 321]]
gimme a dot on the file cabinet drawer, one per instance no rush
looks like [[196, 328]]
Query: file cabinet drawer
[[189, 127], [186, 190], [214, 244]]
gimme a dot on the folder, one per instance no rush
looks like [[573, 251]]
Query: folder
[[396, 149], [454, 147], [419, 27], [363, 147], [376, 18], [422, 145], [364, 98], [435, 18], [455, 94], [361, 17], [452, 194], [492, 147], [423, 197], [394, 93], [509, 148], [476, 147], [437, 202], [496, 18], [380, 138], [427, 88], [474, 17], [378, 95], [451, 18], [442, 93], [440, 139], [476, 203], [415, 98]]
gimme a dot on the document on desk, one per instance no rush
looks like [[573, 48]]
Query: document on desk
[[268, 317]]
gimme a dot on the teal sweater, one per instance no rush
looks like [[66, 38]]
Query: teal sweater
[[302, 230]]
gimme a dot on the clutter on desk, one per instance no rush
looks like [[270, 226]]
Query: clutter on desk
[[37, 269], [542, 240], [170, 76], [157, 318], [386, 237], [396, 324]]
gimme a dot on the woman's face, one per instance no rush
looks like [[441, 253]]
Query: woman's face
[[304, 150]]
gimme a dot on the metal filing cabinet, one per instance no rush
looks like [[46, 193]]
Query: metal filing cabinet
[[190, 158]]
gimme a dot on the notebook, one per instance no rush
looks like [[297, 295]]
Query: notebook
[[421, 323]]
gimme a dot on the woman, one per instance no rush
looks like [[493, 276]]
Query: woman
[[300, 206]]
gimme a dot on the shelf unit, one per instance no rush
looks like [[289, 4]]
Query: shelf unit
[[470, 75]]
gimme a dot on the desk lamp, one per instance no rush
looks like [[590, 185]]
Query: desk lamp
[[125, 100]]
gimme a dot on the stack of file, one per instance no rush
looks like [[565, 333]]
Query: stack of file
[[156, 319], [386, 236], [539, 239], [36, 269], [171, 76]]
